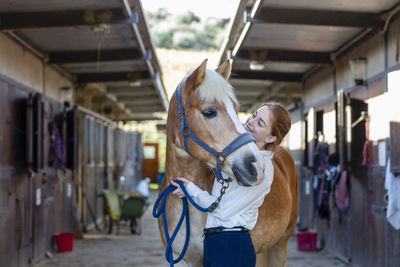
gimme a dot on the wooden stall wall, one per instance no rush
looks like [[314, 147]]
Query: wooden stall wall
[[362, 235], [333, 229], [56, 184], [32, 207], [294, 143], [14, 202], [92, 139], [131, 173], [367, 181], [393, 236], [99, 139], [109, 158]]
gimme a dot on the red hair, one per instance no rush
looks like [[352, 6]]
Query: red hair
[[280, 123]]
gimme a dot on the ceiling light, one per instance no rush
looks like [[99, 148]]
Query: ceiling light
[[135, 83], [256, 65]]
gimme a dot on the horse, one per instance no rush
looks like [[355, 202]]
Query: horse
[[205, 91]]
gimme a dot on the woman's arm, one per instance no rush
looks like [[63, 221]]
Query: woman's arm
[[235, 201], [201, 197]]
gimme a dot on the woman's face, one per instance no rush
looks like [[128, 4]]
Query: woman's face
[[259, 126]]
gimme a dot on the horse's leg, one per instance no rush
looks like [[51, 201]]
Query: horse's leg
[[261, 260], [277, 254]]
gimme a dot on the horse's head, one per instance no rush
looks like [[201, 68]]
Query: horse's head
[[210, 109]]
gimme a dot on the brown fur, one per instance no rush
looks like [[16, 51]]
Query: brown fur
[[277, 215]]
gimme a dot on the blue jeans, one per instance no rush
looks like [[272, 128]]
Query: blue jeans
[[229, 249]]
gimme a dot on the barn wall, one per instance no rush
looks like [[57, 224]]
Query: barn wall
[[19, 64], [373, 50], [48, 194], [318, 89], [346, 234], [393, 43]]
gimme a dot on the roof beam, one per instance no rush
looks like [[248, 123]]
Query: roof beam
[[144, 108], [317, 17], [253, 95], [62, 57], [136, 98], [140, 117], [285, 55], [268, 95], [141, 102], [111, 76], [132, 91], [64, 18], [271, 76], [137, 84]]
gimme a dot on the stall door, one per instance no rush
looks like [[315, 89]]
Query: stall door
[[150, 161]]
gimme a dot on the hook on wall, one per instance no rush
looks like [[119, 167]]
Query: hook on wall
[[364, 115]]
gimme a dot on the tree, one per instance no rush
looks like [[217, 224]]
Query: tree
[[160, 15], [186, 31], [188, 18]]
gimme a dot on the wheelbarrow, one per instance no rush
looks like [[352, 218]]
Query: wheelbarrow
[[123, 206]]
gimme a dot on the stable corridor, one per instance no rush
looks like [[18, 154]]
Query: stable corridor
[[146, 250]]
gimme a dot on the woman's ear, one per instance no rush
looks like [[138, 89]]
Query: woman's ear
[[270, 139]]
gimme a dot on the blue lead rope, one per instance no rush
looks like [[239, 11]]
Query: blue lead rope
[[184, 216]]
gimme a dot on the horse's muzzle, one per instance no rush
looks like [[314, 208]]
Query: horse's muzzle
[[246, 173]]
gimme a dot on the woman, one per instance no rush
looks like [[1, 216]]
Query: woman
[[227, 239]]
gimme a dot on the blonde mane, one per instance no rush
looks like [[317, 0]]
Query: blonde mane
[[215, 88]]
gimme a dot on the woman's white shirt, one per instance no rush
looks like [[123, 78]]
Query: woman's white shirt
[[239, 205]]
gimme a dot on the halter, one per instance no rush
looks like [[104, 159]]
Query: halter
[[238, 142]]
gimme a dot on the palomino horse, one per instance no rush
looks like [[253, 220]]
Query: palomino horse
[[210, 108]]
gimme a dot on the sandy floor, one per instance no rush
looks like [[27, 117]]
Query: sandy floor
[[146, 250]]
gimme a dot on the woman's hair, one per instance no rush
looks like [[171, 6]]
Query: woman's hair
[[280, 123]]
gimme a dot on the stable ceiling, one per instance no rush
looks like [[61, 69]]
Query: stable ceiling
[[289, 40], [105, 42]]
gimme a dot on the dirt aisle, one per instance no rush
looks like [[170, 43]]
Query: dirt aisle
[[147, 250], [125, 249]]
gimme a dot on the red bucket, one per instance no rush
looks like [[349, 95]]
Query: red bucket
[[65, 242], [306, 241]]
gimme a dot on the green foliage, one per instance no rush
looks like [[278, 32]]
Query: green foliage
[[164, 39], [160, 15], [185, 43], [188, 18], [186, 31], [222, 23]]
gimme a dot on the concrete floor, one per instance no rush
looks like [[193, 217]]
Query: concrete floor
[[146, 250]]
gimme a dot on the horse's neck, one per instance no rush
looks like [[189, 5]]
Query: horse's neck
[[179, 164]]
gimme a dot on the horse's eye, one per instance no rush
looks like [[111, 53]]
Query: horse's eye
[[210, 112]]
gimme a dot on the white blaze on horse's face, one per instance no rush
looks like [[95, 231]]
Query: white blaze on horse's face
[[211, 111]]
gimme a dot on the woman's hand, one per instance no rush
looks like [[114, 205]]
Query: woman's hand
[[178, 191]]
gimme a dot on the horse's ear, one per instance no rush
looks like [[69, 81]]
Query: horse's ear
[[197, 76], [225, 69]]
